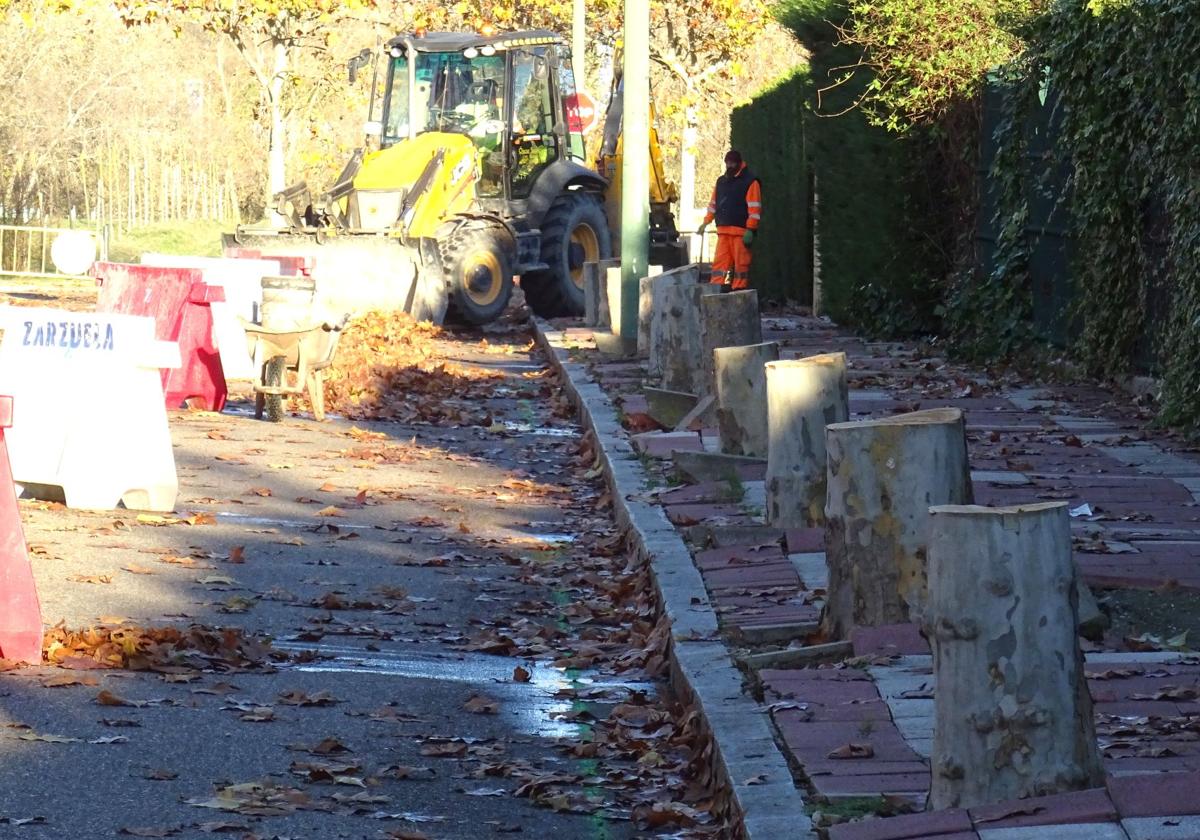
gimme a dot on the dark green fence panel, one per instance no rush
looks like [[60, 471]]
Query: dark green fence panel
[[769, 132]]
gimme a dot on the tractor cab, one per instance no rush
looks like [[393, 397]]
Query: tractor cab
[[505, 93]]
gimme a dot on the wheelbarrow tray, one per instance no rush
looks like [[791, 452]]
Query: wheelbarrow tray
[[306, 350]]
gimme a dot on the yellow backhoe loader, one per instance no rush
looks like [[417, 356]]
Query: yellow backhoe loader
[[475, 172]]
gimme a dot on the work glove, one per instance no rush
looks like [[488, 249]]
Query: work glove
[[700, 230], [748, 238]]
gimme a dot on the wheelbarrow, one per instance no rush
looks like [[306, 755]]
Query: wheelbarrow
[[295, 354]]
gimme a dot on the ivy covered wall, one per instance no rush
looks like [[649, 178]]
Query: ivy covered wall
[[873, 266], [1121, 80]]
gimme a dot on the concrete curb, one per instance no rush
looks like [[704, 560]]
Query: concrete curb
[[744, 750]]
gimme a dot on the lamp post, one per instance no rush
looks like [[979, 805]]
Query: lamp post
[[635, 174]]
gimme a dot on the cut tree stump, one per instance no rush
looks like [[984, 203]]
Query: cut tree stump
[[676, 335], [612, 290], [883, 477], [660, 302], [803, 397], [742, 397], [1013, 717], [726, 320], [595, 293], [646, 307]]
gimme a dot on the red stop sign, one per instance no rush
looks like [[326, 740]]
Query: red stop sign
[[582, 114]]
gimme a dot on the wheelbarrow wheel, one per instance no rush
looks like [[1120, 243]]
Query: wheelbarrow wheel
[[273, 378]]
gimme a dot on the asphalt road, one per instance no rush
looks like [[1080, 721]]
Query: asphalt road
[[384, 556]]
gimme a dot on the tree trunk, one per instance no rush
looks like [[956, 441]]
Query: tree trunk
[[687, 167], [1013, 717], [277, 154], [883, 476], [818, 294], [726, 320], [676, 336], [742, 397], [803, 397]]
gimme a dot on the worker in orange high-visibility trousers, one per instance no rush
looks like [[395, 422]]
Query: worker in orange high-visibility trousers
[[736, 205]]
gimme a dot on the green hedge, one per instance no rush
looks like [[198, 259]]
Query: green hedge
[[770, 134], [872, 260]]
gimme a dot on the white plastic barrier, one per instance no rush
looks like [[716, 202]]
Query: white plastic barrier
[[242, 281], [89, 415]]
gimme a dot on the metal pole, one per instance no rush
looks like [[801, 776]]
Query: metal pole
[[635, 175], [579, 46], [818, 295]]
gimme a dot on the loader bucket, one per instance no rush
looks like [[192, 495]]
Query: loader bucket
[[354, 273]]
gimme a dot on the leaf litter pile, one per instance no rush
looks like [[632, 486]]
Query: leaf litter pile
[[164, 650], [388, 367]]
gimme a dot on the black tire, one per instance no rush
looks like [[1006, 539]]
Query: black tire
[[273, 377], [478, 263], [574, 231]]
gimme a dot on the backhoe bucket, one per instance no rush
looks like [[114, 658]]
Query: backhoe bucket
[[353, 273]]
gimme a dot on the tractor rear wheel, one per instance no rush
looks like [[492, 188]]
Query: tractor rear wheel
[[479, 265], [574, 231]]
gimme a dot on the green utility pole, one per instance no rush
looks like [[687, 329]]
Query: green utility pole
[[578, 46], [635, 174]]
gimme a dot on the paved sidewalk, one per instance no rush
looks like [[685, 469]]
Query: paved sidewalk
[[1136, 525]]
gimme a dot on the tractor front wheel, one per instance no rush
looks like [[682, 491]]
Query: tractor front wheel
[[478, 263], [574, 231]]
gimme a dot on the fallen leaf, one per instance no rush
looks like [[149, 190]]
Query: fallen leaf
[[403, 771], [237, 554], [852, 750], [329, 746], [300, 698], [444, 749], [486, 792], [49, 739], [90, 578], [330, 511], [164, 831], [64, 680], [107, 698], [216, 580], [218, 827], [480, 705]]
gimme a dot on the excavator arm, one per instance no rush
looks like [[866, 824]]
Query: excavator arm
[[666, 248]]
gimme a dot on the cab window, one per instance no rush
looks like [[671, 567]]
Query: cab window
[[534, 144]]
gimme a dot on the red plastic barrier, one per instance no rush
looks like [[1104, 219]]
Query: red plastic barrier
[[20, 613], [178, 300], [289, 266]]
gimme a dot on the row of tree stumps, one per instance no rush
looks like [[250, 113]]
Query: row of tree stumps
[[993, 589]]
